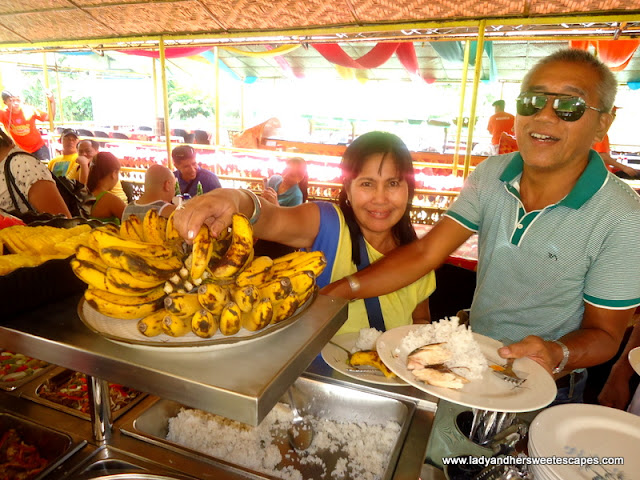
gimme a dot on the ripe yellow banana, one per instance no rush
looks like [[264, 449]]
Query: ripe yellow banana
[[151, 325], [204, 324], [255, 273], [182, 304], [213, 297], [155, 294], [176, 326], [124, 312], [89, 255], [302, 281], [245, 297], [303, 297], [259, 316], [371, 358], [124, 279], [276, 290], [220, 246], [171, 233], [201, 253], [289, 257], [145, 249], [313, 261], [239, 251], [230, 319], [148, 270], [285, 309], [88, 273], [150, 228], [131, 229]]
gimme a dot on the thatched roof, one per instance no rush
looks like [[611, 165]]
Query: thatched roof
[[36, 21]]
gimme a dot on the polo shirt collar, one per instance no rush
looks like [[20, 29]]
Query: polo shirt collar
[[591, 180]]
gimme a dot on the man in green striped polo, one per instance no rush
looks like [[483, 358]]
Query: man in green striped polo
[[558, 266]]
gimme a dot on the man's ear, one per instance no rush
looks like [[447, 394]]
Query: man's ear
[[604, 122]]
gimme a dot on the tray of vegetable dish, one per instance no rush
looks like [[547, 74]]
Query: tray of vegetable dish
[[17, 369], [68, 391]]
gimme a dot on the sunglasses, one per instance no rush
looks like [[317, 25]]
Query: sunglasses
[[567, 107]]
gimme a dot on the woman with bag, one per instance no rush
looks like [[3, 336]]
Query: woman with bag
[[371, 219], [26, 185]]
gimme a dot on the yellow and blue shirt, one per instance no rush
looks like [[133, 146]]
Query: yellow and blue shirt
[[334, 241], [536, 269]]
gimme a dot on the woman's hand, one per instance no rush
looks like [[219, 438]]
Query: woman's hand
[[270, 195], [214, 209]]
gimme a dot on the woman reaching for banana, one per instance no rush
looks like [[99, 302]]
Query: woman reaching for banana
[[372, 219]]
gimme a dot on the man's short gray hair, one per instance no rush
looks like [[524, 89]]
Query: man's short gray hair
[[607, 86]]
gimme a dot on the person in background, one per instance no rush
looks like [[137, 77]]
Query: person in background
[[159, 189], [33, 180], [558, 267], [189, 174], [20, 121], [254, 137], [616, 392], [87, 150], [371, 219], [103, 175], [65, 165], [499, 122], [604, 149], [290, 188]]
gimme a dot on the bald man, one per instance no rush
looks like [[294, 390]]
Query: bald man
[[159, 188]]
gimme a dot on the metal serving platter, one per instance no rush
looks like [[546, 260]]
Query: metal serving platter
[[322, 400], [58, 377], [52, 445], [242, 383], [10, 386]]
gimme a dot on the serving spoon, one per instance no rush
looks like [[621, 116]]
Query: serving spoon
[[301, 431]]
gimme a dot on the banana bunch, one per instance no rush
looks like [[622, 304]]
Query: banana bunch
[[142, 271]]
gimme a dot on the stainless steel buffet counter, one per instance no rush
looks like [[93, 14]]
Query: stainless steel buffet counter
[[242, 383]]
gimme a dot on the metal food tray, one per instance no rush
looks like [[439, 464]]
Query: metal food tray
[[59, 376], [323, 400], [10, 386], [52, 445]]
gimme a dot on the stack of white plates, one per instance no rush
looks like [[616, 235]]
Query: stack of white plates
[[568, 432]]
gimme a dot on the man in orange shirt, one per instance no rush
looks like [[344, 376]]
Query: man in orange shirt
[[499, 122], [20, 121]]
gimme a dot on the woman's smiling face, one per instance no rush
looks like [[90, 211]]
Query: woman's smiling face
[[378, 194]]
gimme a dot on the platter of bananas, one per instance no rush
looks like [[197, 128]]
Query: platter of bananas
[[342, 355], [148, 288]]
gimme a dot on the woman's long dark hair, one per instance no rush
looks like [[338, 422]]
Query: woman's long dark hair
[[104, 163], [353, 160]]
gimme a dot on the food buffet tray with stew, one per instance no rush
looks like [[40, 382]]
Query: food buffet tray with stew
[[67, 391], [29, 451], [17, 369], [356, 435]]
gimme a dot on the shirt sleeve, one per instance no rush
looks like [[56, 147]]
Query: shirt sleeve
[[327, 239], [466, 209], [613, 279], [40, 115]]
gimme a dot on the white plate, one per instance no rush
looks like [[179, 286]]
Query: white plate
[[126, 332], [489, 393], [337, 359], [574, 430], [634, 359]]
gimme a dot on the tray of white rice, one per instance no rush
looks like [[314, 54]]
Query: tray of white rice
[[449, 361], [357, 435]]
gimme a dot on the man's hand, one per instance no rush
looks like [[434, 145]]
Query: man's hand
[[49, 95], [547, 354], [632, 172], [270, 195], [83, 161]]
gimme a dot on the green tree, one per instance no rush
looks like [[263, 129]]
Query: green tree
[[189, 103]]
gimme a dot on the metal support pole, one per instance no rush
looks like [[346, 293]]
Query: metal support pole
[[165, 99], [474, 98], [217, 104], [45, 70], [155, 88], [100, 409], [463, 89], [60, 108]]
